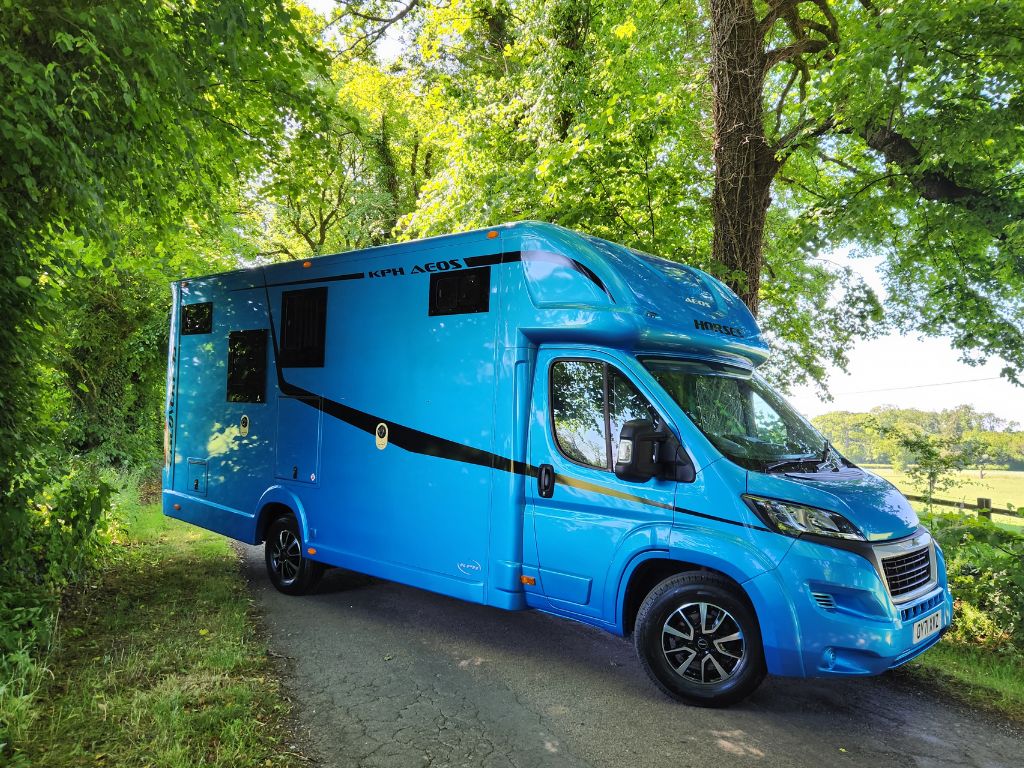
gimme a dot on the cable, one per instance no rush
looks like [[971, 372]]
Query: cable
[[919, 386]]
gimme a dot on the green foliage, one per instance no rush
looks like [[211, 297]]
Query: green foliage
[[348, 172], [52, 542], [157, 663], [932, 461], [127, 133], [985, 564], [934, 91]]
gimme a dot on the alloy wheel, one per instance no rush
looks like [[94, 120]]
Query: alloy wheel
[[286, 557], [703, 643]]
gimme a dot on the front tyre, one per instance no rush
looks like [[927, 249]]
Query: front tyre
[[289, 569], [699, 641]]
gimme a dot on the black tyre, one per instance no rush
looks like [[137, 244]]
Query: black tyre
[[699, 641], [289, 569]]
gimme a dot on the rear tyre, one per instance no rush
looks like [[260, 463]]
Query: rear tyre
[[289, 569], [699, 641]]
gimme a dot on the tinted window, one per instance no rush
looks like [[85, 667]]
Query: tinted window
[[577, 410], [303, 328], [247, 367], [196, 318], [461, 292]]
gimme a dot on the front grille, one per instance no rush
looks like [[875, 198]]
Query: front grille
[[921, 608], [909, 572]]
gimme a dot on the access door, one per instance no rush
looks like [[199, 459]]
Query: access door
[[583, 514]]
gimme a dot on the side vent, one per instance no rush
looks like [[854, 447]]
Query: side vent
[[824, 600]]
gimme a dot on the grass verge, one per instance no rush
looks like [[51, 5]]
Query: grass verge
[[159, 662], [974, 676]]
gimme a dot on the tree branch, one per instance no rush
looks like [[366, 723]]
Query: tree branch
[[775, 13], [899, 151], [800, 47]]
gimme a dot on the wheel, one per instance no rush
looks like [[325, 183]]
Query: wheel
[[289, 570], [699, 641]]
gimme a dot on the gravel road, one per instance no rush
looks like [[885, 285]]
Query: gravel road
[[386, 675]]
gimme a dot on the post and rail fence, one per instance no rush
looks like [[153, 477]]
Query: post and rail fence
[[983, 507]]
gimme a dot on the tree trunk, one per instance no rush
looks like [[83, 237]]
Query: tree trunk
[[745, 164], [389, 177]]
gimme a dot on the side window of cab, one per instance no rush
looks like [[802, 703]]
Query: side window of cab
[[590, 401]]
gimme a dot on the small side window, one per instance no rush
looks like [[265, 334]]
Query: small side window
[[590, 401], [460, 293], [196, 318], [577, 411], [303, 328], [247, 366]]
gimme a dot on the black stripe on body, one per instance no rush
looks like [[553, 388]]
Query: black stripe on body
[[495, 258]]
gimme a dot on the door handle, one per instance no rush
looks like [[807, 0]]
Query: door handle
[[545, 481]]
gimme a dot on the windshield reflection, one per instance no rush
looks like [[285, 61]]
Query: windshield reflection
[[742, 415]]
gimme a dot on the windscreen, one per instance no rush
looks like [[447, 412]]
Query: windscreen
[[740, 414]]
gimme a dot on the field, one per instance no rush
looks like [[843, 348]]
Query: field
[[1002, 487]]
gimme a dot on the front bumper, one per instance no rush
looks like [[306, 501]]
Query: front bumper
[[827, 611]]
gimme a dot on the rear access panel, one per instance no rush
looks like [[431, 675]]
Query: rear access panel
[[298, 439]]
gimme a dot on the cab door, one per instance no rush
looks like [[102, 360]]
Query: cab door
[[582, 513]]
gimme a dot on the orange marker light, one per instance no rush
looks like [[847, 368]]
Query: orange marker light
[[528, 580], [307, 264], [177, 506], [311, 551], [492, 234]]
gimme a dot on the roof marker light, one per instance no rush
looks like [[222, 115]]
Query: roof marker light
[[492, 234], [307, 264]]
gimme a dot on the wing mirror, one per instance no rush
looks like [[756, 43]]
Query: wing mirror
[[646, 452]]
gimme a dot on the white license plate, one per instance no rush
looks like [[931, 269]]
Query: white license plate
[[927, 626]]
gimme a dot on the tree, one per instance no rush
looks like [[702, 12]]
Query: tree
[[898, 125], [347, 173], [933, 461], [125, 128]]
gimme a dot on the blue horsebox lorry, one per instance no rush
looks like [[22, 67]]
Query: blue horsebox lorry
[[528, 417]]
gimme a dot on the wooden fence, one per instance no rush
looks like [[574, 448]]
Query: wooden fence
[[984, 506]]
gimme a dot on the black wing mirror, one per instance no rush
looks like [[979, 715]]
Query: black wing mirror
[[646, 452]]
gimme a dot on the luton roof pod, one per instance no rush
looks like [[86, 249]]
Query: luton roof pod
[[530, 417], [630, 299]]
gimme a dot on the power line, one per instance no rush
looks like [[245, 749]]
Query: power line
[[919, 386]]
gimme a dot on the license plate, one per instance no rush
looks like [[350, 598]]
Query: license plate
[[927, 626]]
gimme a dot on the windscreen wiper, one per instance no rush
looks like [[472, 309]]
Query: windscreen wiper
[[790, 463], [827, 454]]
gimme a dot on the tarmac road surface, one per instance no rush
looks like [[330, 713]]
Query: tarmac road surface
[[387, 675]]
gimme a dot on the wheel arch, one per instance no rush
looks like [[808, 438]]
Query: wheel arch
[[648, 569], [275, 502]]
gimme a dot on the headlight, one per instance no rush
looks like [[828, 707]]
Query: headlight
[[793, 519]]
